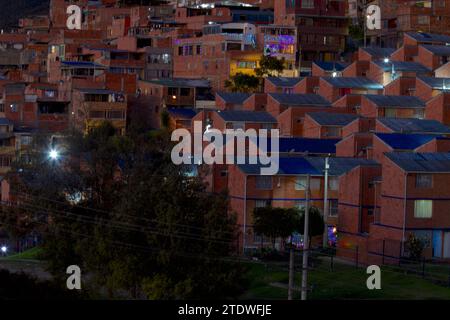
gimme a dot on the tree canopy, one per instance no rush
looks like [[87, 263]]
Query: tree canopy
[[121, 210]]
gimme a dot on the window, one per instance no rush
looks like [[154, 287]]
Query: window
[[333, 207], [333, 183], [390, 113], [185, 92], [333, 132], [424, 181], [422, 19], [262, 203], [307, 4], [264, 182], [300, 183], [423, 208], [2, 107], [172, 91], [198, 49]]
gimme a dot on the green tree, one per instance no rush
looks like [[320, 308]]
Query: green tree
[[270, 66], [316, 223], [121, 210], [241, 82], [275, 222], [414, 246]]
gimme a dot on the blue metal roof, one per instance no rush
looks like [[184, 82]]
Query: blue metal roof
[[311, 165], [247, 116], [185, 113], [353, 82], [233, 97], [332, 119], [436, 83], [378, 52], [305, 145], [330, 65], [405, 141], [307, 99], [395, 101], [5, 121], [421, 162], [429, 37], [406, 125], [284, 82], [438, 50], [400, 66]]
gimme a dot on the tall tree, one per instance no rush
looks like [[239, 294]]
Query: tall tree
[[121, 210], [270, 66], [241, 82]]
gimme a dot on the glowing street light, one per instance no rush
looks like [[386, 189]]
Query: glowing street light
[[334, 74], [4, 249], [386, 60], [53, 154]]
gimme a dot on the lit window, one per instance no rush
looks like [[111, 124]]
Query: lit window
[[423, 208]]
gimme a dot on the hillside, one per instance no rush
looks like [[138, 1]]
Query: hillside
[[12, 11]]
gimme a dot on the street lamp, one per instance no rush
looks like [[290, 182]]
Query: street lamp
[[4, 249], [53, 154], [386, 60]]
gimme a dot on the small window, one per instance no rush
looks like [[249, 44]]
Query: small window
[[300, 183], [262, 203], [333, 207], [333, 183], [264, 182], [185, 92], [423, 208], [424, 181], [223, 173]]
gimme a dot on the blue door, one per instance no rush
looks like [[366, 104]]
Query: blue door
[[437, 243]]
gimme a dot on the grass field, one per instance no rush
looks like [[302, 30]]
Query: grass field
[[31, 254], [345, 282]]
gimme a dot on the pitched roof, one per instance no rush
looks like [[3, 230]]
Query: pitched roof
[[437, 50], [436, 83], [339, 165], [283, 81], [332, 119], [405, 141], [395, 101], [247, 116], [379, 52], [330, 65], [412, 125], [407, 66], [306, 145], [421, 162], [233, 97], [429, 37], [311, 165], [182, 113], [182, 83], [353, 82], [308, 99]]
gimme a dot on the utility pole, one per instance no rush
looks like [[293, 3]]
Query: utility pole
[[325, 204], [305, 243], [291, 273]]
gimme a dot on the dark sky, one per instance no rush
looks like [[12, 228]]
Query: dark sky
[[12, 10]]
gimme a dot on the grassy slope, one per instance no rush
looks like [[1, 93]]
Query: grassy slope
[[344, 283]]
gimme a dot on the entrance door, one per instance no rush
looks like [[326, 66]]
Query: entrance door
[[447, 245], [437, 243]]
